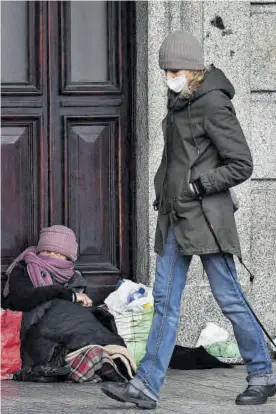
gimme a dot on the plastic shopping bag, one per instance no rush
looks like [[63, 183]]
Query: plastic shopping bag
[[10, 343], [134, 328], [133, 318], [211, 334]]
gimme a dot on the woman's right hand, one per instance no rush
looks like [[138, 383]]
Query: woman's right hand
[[83, 299]]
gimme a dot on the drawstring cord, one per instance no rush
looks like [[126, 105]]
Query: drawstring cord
[[211, 227], [192, 126], [252, 277]]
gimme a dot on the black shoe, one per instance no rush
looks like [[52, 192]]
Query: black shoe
[[42, 374], [128, 393], [256, 394], [51, 371]]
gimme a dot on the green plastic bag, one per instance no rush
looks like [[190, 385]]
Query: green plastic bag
[[134, 328], [227, 349]]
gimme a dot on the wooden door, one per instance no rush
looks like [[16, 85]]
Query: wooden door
[[66, 130]]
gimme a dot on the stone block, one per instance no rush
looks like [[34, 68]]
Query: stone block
[[263, 50], [263, 142], [263, 258]]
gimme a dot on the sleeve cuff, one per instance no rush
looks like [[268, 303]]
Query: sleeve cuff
[[198, 187]]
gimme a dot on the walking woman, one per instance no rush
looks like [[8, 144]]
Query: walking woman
[[205, 154]]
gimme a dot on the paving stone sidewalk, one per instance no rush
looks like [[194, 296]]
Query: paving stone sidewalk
[[189, 392]]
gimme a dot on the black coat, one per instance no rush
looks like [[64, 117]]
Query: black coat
[[58, 327], [52, 325], [204, 143]]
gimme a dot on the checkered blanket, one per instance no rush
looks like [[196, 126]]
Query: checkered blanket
[[93, 363]]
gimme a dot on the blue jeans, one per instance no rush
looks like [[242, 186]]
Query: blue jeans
[[171, 272]]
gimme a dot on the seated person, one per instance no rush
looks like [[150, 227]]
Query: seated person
[[57, 315]]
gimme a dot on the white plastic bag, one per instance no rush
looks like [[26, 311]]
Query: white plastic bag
[[212, 334], [117, 301], [137, 305]]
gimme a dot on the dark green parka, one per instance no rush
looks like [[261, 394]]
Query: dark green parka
[[203, 142]]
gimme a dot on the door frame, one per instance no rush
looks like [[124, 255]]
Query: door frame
[[132, 76]]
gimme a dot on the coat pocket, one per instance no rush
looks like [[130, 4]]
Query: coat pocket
[[186, 208]]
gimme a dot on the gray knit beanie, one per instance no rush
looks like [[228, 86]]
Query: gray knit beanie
[[181, 50]]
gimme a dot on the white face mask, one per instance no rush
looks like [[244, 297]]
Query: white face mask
[[178, 84]]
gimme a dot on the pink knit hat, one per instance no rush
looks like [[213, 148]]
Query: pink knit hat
[[58, 239]]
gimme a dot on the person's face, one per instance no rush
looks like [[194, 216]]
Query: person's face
[[170, 74], [54, 255]]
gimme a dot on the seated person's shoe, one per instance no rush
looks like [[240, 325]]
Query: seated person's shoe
[[51, 371], [256, 394], [126, 392], [42, 374]]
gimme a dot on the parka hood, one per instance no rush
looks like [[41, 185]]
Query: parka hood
[[214, 80]]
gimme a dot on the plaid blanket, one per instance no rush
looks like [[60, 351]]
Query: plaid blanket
[[93, 364]]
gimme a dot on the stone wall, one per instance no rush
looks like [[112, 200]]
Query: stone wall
[[239, 37]]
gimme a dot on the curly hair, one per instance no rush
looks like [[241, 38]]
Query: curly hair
[[194, 83]]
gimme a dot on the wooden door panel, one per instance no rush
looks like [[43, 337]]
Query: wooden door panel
[[91, 190], [94, 112], [91, 47], [24, 159], [21, 43], [22, 197]]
